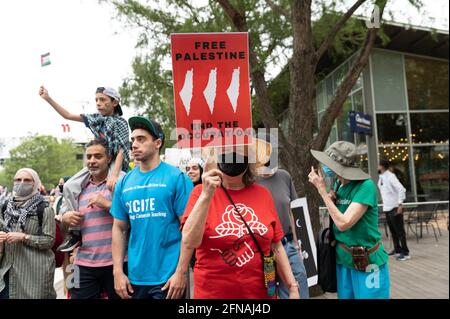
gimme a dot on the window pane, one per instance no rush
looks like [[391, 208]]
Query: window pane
[[358, 83], [398, 157], [391, 128], [343, 122], [363, 149], [329, 89], [388, 81], [339, 75], [427, 82], [431, 165], [358, 102], [429, 127], [320, 97], [333, 136]]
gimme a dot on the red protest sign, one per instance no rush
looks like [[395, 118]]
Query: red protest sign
[[211, 89]]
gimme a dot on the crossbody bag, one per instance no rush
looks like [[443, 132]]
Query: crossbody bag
[[268, 261]]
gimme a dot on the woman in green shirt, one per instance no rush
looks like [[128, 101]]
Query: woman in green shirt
[[362, 271]]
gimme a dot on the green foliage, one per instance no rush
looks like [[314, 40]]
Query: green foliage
[[150, 90], [3, 180], [50, 158]]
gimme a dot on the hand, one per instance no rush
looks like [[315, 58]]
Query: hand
[[332, 196], [111, 182], [100, 201], [122, 286], [293, 293], [44, 93], [211, 178], [72, 218], [176, 285], [72, 255], [14, 237], [2, 236], [399, 210], [317, 180]]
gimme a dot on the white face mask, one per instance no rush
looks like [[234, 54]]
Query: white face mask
[[264, 170], [23, 189]]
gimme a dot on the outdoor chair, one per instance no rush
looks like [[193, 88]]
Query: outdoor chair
[[382, 220], [423, 215]]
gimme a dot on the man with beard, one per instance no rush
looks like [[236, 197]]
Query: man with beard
[[147, 206]]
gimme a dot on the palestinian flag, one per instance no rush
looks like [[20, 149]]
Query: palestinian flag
[[45, 59]]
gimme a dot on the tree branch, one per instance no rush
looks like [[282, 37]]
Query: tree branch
[[192, 10], [337, 27], [237, 19], [347, 84], [278, 9]]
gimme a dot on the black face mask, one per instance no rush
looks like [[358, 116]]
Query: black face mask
[[379, 172], [237, 165], [61, 187]]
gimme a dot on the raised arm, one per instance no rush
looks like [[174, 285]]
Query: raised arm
[[58, 108], [344, 221], [195, 224]]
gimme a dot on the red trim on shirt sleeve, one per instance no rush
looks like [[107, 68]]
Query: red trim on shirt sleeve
[[195, 194]]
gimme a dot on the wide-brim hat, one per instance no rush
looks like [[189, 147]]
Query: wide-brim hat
[[257, 153], [341, 158]]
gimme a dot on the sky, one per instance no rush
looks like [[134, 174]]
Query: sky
[[88, 48]]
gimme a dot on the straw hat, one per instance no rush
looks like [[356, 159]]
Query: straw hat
[[341, 158], [258, 152]]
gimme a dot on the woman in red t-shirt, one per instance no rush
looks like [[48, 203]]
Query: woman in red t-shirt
[[229, 264]]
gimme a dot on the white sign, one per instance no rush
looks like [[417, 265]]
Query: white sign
[[305, 236]]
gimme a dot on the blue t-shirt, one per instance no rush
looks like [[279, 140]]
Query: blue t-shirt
[[152, 203]]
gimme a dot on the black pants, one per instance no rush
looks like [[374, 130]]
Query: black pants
[[4, 294], [93, 281], [397, 229]]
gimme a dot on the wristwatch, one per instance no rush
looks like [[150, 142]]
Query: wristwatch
[[27, 237]]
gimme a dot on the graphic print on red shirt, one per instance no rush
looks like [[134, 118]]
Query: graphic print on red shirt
[[229, 264]]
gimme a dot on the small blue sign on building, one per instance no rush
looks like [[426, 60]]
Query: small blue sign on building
[[360, 122]]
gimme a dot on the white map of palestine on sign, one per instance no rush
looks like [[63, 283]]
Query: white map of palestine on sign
[[186, 91], [210, 91]]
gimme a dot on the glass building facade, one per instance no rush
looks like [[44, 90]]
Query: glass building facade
[[408, 98]]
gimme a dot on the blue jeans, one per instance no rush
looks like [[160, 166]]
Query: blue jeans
[[299, 271], [149, 292]]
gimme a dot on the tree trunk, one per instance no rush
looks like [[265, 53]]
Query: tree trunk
[[301, 110]]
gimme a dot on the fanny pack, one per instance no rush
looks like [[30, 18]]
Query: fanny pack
[[360, 255]]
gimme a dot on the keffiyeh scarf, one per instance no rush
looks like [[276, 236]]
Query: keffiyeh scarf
[[15, 214]]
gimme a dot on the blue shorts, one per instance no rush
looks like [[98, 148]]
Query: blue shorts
[[354, 284]]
